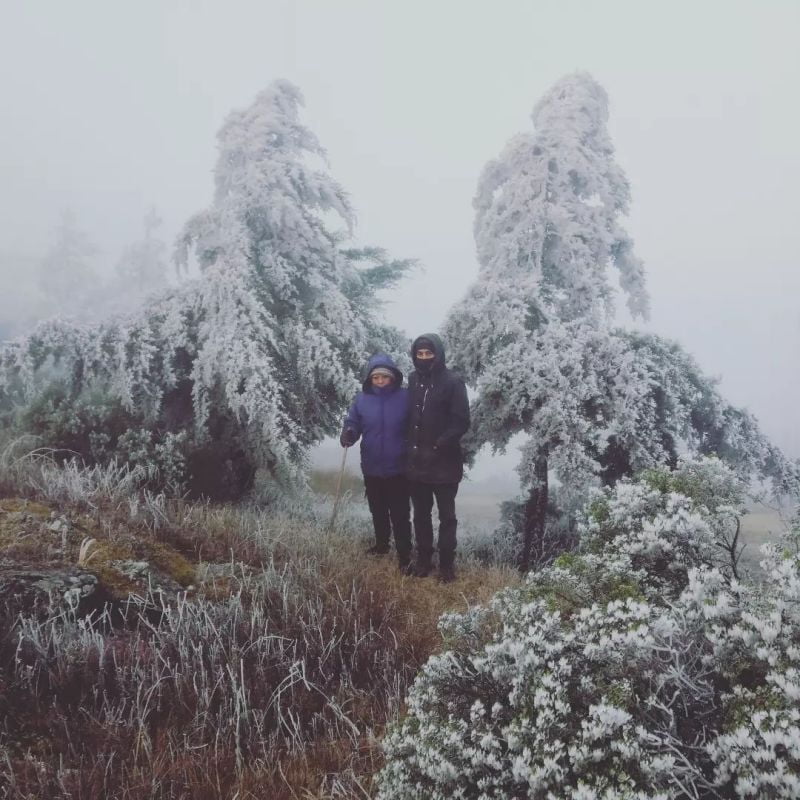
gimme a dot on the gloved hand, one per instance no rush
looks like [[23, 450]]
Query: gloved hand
[[348, 437]]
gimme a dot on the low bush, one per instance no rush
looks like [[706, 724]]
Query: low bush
[[636, 667], [95, 428]]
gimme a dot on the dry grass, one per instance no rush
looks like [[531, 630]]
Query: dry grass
[[275, 678], [325, 481]]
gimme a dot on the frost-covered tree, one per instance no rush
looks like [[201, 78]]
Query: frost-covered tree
[[67, 277], [533, 334], [293, 316], [680, 409], [636, 667], [547, 229], [263, 349]]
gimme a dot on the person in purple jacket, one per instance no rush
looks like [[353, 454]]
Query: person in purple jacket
[[379, 416]]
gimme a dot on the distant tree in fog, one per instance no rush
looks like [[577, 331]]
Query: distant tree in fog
[[140, 272], [142, 268], [67, 278], [21, 300]]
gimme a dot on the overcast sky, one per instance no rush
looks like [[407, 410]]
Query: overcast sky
[[109, 107]]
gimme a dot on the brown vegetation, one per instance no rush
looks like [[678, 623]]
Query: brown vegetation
[[274, 675]]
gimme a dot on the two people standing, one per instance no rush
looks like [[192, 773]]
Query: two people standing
[[410, 448]]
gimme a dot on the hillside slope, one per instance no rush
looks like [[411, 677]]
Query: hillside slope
[[220, 653]]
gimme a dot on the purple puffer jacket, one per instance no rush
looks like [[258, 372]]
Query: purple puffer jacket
[[380, 418]]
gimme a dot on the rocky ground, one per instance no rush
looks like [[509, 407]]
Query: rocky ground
[[49, 554]]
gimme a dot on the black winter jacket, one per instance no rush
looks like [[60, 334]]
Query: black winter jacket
[[438, 418]]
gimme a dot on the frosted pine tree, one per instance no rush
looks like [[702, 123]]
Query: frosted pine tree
[[263, 349], [547, 228], [288, 336], [533, 335]]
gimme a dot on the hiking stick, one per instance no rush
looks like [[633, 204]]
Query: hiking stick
[[338, 490]]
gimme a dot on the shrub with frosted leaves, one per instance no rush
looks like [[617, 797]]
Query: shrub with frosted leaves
[[588, 683], [666, 523]]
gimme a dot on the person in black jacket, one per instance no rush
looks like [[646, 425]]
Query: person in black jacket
[[438, 418]]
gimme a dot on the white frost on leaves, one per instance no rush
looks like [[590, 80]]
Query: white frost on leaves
[[534, 333], [548, 208], [617, 671]]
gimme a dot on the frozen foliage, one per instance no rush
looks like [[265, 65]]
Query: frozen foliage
[[634, 668], [533, 334], [565, 387], [682, 407], [601, 405], [547, 230], [655, 529], [263, 349]]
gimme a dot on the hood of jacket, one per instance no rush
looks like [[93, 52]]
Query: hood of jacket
[[438, 350], [381, 360]]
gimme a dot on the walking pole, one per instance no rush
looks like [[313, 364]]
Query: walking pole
[[338, 490]]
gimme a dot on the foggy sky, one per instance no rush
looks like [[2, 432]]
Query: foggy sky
[[111, 107]]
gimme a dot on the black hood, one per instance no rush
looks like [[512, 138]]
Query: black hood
[[438, 350]]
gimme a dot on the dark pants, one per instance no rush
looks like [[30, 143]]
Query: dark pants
[[388, 504], [422, 495]]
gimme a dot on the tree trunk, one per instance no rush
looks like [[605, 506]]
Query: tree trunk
[[535, 513]]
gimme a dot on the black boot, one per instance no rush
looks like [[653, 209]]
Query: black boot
[[377, 550], [447, 573], [422, 568]]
